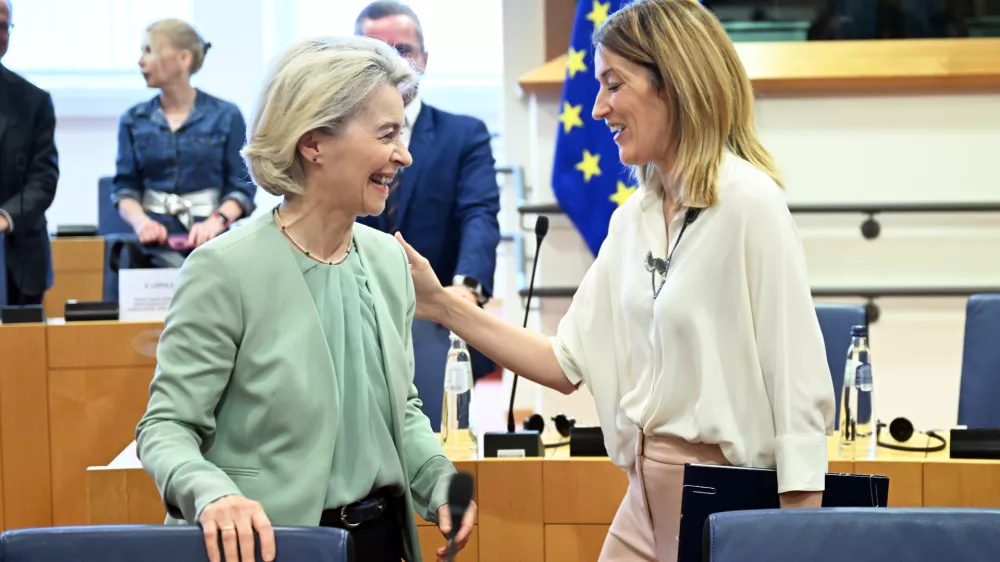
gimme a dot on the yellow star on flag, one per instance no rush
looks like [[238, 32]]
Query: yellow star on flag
[[622, 194], [574, 62], [599, 13], [570, 116], [589, 165]]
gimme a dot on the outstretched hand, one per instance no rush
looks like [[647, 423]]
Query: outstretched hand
[[426, 285]]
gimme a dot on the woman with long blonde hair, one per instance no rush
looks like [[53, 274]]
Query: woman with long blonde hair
[[695, 328]]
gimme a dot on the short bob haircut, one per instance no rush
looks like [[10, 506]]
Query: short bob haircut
[[316, 84], [693, 63]]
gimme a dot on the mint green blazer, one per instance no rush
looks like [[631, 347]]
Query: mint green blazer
[[244, 400]]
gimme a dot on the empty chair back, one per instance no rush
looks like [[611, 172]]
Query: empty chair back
[[980, 387], [108, 219], [855, 534], [160, 543], [835, 321]]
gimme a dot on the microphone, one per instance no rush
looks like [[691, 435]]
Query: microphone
[[524, 443], [460, 491]]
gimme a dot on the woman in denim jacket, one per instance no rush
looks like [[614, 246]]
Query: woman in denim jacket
[[179, 171]]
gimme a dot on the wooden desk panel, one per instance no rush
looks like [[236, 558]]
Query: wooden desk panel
[[78, 264], [574, 543], [25, 493], [93, 414], [582, 491], [961, 483], [99, 375], [510, 510], [98, 345]]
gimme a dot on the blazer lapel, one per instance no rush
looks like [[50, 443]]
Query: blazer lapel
[[421, 140], [277, 251], [392, 352]]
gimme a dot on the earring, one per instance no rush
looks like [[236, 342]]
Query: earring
[[315, 158]]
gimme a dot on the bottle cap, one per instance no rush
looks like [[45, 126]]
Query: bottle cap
[[859, 331]]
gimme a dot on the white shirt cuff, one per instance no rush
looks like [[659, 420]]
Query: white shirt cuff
[[802, 463], [566, 362]]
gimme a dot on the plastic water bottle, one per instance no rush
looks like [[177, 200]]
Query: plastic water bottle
[[858, 425], [458, 435]]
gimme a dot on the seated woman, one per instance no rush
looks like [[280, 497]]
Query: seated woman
[[179, 171], [284, 392]]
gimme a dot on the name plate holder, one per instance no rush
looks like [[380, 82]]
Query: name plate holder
[[144, 295]]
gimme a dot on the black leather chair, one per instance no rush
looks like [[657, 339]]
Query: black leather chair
[[835, 321], [980, 386], [161, 543], [855, 534]]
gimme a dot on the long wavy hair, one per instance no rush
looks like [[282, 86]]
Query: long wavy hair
[[693, 63]]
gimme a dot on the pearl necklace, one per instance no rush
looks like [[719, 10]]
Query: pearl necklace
[[284, 230]]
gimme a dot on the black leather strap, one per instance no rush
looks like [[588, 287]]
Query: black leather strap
[[355, 514]]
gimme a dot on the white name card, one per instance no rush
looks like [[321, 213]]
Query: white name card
[[144, 294]]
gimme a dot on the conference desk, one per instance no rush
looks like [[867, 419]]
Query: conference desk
[[78, 266], [560, 508], [71, 394]]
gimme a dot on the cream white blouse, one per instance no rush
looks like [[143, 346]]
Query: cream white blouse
[[729, 353]]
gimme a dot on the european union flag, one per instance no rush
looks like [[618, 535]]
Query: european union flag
[[587, 178]]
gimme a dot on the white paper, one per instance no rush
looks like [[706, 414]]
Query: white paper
[[144, 294]]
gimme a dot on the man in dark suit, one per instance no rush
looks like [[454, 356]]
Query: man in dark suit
[[445, 204], [29, 170]]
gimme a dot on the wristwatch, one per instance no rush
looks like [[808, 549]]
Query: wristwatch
[[474, 285], [222, 218]]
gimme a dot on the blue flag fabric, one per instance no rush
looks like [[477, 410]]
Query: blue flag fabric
[[588, 180]]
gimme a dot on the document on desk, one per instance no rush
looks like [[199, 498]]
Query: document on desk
[[144, 295]]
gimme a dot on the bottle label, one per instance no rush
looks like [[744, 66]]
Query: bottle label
[[849, 370], [457, 377]]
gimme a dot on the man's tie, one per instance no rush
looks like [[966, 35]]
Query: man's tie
[[392, 204]]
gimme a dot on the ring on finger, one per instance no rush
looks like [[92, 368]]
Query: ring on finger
[[228, 528]]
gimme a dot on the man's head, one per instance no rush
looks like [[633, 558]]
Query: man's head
[[6, 22], [396, 24]]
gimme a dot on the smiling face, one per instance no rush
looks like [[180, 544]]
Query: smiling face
[[355, 167], [637, 114]]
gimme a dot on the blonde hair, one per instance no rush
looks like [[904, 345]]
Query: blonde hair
[[316, 84], [182, 36], [691, 60]]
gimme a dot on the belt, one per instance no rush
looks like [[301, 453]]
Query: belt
[[353, 515], [184, 206]]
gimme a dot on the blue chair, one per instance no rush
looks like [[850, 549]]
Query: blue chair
[[855, 534], [980, 386], [161, 543], [108, 219], [3, 270], [115, 230], [835, 321]]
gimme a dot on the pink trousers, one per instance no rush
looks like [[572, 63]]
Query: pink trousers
[[646, 525]]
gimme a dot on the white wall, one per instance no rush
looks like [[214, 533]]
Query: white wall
[[914, 148]]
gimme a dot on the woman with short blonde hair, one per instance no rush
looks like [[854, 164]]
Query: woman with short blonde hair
[[179, 179], [284, 389], [695, 327]]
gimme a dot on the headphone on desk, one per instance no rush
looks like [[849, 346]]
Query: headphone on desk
[[901, 430]]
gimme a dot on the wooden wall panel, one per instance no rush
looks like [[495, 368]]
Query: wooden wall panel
[[26, 493]]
